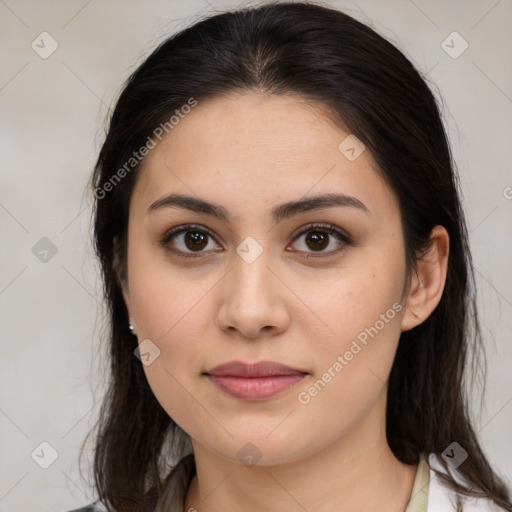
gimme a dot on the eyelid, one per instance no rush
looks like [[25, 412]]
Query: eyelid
[[329, 228]]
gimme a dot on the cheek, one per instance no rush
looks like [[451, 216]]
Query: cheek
[[172, 310], [354, 357], [365, 300], [166, 301], [174, 321], [352, 366], [357, 358]]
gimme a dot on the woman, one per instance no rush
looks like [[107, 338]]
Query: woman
[[286, 264]]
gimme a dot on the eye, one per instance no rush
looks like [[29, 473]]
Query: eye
[[319, 236], [187, 238]]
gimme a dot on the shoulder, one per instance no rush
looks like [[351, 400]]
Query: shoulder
[[442, 499]]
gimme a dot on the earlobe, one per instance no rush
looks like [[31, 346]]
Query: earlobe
[[127, 301], [126, 296], [119, 267], [428, 281]]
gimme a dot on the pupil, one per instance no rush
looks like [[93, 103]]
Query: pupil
[[197, 239], [317, 238]]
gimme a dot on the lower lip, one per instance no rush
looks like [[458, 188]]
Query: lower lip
[[255, 388]]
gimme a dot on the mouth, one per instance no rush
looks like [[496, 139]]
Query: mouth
[[254, 381]]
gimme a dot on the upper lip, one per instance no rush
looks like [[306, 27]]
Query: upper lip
[[259, 369]]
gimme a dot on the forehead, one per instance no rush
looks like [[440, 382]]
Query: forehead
[[259, 148]]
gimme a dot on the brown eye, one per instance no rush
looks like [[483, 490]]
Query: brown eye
[[317, 240], [195, 240], [318, 237], [186, 240]]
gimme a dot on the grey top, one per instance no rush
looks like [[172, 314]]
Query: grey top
[[428, 495]]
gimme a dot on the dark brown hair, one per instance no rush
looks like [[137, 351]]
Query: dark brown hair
[[366, 83]]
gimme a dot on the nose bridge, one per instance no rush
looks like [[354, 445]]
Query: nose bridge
[[251, 273], [251, 301]]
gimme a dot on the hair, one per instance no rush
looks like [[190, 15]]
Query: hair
[[367, 85]]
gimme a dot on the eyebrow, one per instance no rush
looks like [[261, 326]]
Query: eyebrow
[[278, 213]]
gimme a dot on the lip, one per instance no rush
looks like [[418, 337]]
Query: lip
[[254, 381]]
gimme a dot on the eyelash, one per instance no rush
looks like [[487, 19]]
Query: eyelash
[[329, 229]]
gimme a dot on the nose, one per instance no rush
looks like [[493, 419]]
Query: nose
[[254, 299]]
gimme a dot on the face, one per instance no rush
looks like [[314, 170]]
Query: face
[[316, 286]]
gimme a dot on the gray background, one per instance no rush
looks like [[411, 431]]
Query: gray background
[[51, 127]]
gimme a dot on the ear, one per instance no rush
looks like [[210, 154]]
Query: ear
[[119, 267], [427, 283]]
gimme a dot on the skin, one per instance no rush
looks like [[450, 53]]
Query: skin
[[250, 152]]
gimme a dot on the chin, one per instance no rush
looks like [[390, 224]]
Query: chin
[[257, 448]]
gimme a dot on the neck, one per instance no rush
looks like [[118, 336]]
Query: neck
[[356, 473]]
